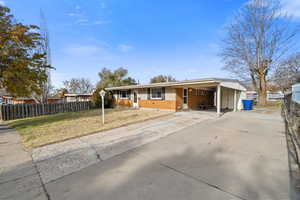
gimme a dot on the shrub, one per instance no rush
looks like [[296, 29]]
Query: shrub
[[108, 99]]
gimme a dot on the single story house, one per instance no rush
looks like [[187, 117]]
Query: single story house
[[209, 93]]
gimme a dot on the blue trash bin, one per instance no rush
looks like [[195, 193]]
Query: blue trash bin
[[248, 104]]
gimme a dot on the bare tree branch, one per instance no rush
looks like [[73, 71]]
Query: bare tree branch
[[78, 85]]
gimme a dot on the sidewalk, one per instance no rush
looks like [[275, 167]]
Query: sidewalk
[[58, 160], [19, 178]]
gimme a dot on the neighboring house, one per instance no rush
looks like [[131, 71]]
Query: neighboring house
[[77, 97], [211, 93], [20, 100], [6, 98], [32, 101], [271, 95]]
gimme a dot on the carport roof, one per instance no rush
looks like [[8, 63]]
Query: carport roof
[[230, 83]]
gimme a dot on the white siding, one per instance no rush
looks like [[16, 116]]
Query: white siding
[[170, 93], [143, 94], [227, 98], [233, 85], [242, 95]]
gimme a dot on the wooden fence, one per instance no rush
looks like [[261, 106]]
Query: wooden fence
[[291, 116], [17, 111]]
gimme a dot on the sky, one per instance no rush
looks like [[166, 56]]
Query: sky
[[147, 37]]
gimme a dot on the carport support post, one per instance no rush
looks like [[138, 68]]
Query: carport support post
[[219, 100], [234, 101]]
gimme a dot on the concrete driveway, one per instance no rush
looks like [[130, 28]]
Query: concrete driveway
[[238, 156]]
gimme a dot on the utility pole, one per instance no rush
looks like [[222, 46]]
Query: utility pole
[[45, 48]]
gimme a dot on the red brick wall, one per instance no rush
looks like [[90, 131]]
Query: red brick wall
[[124, 102], [179, 98]]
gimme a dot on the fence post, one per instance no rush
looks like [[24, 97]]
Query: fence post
[[6, 112], [31, 110]]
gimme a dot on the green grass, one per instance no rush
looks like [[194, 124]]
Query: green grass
[[40, 131]]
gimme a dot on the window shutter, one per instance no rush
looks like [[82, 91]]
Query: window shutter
[[148, 94], [163, 91]]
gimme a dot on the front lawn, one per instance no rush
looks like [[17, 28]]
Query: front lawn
[[49, 129]]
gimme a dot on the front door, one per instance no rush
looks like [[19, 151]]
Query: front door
[[185, 98], [135, 99]]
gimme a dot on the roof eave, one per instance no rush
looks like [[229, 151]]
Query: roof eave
[[170, 84]]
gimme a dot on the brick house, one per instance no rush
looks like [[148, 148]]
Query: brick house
[[200, 94]]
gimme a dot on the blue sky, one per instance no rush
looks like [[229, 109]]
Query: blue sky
[[148, 37]]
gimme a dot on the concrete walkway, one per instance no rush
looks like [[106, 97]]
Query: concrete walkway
[[58, 160], [19, 178], [238, 156]]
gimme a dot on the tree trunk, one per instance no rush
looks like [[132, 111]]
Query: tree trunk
[[262, 90], [254, 84]]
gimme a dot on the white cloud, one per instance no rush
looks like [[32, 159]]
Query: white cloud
[[83, 51], [292, 7], [2, 3], [125, 48]]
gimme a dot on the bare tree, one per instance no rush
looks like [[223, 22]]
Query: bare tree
[[257, 40], [46, 86], [78, 85], [288, 73]]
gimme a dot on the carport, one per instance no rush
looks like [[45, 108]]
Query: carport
[[219, 96]]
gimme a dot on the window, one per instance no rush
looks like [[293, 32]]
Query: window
[[156, 93], [124, 94], [185, 96]]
